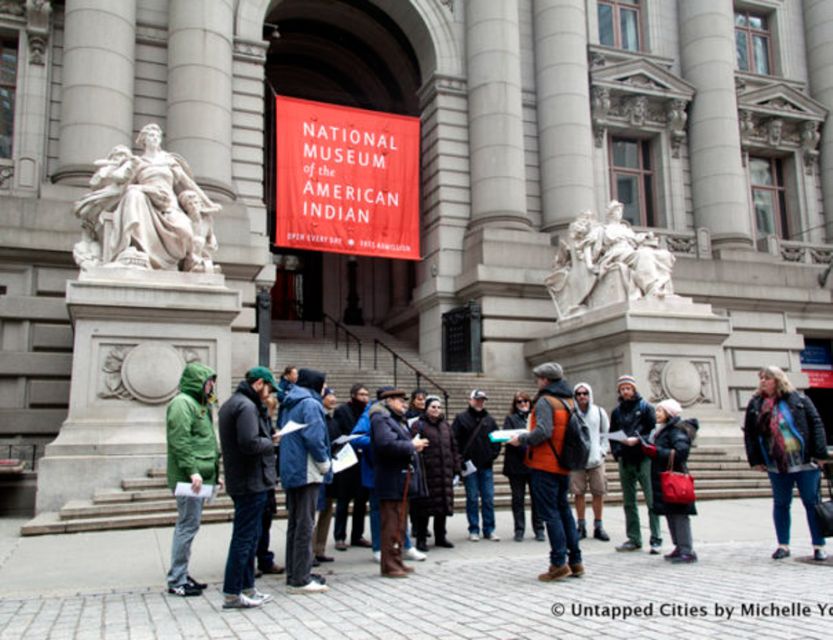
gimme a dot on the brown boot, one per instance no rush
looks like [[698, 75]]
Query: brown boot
[[577, 570], [555, 573], [395, 573]]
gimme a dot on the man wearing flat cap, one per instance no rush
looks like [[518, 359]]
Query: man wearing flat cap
[[550, 480], [249, 459], [397, 475]]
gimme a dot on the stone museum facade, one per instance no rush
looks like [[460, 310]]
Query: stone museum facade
[[708, 120]]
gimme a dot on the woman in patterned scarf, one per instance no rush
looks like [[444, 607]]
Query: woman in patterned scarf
[[784, 435]]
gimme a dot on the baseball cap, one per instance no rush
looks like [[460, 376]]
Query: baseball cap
[[478, 394], [262, 373]]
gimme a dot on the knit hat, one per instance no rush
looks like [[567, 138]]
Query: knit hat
[[549, 370], [671, 407], [311, 379], [327, 392], [430, 399], [626, 379]]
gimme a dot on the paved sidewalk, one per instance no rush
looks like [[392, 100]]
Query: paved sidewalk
[[109, 585]]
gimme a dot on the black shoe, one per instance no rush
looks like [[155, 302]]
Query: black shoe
[[444, 543], [519, 537], [316, 562], [656, 546], [628, 545], [198, 585], [582, 531], [185, 590], [600, 534], [317, 577], [323, 558], [819, 555], [781, 553], [540, 536], [421, 545]]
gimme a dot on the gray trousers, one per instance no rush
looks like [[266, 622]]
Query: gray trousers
[[679, 524], [189, 513], [300, 502]]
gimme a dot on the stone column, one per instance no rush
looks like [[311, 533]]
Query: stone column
[[818, 30], [718, 180], [200, 49], [496, 137], [97, 84], [565, 130]]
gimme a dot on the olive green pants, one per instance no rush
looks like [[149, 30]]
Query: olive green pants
[[629, 475]]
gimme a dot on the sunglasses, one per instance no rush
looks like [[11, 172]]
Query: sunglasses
[[582, 393], [521, 401]]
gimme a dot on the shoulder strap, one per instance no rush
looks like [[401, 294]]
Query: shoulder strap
[[473, 436], [549, 440]]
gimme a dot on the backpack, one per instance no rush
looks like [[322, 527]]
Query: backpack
[[576, 448]]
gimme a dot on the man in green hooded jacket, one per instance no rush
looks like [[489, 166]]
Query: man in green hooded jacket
[[193, 457]]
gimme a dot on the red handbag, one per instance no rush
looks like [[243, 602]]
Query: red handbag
[[676, 487]]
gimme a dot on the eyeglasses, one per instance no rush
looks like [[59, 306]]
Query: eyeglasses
[[582, 393]]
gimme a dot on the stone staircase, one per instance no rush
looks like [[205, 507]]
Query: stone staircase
[[146, 502]]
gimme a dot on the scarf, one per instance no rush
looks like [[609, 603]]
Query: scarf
[[769, 426]]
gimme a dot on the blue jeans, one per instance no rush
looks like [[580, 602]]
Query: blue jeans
[[189, 512], [376, 525], [480, 484], [549, 491], [782, 495], [240, 564]]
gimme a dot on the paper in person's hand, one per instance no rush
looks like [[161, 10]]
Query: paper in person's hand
[[291, 426], [468, 468], [344, 459], [345, 439], [617, 436], [184, 489]]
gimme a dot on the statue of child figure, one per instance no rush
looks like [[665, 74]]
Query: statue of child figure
[[205, 243]]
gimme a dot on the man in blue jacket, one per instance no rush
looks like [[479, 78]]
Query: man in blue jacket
[[305, 464]]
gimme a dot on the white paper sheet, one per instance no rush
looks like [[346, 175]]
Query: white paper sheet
[[290, 427], [344, 459], [468, 468], [207, 491], [617, 436], [345, 439]]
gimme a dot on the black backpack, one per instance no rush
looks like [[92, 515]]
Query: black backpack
[[576, 448]]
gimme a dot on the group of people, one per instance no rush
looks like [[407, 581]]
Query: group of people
[[410, 460]]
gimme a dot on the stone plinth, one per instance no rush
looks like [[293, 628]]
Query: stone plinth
[[672, 346], [134, 332]]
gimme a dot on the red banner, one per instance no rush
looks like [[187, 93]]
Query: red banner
[[819, 379], [348, 180]]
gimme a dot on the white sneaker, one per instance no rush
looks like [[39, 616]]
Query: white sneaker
[[377, 556], [254, 594], [415, 554], [473, 537], [308, 588], [493, 537], [241, 602]]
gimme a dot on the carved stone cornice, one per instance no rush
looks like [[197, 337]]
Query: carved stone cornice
[[250, 50], [12, 8], [779, 118], [152, 35], [638, 94], [439, 84]]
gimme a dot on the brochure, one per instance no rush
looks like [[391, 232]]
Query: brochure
[[344, 459], [207, 491]]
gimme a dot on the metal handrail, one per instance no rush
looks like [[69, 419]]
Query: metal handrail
[[347, 335], [419, 374]]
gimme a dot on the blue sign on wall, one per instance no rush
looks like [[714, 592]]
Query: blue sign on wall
[[816, 355]]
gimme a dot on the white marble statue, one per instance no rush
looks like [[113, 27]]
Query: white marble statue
[[597, 252], [146, 212]]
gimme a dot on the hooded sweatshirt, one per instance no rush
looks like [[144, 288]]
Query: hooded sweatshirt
[[598, 423]]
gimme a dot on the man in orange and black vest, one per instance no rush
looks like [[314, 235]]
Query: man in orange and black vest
[[551, 481]]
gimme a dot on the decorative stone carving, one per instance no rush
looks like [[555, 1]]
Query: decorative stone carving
[[810, 137], [146, 212], [688, 382], [636, 110], [38, 13], [677, 118], [11, 7], [604, 263], [600, 107], [775, 128]]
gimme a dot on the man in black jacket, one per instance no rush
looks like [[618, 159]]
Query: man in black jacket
[[347, 485], [249, 460], [636, 418], [471, 429]]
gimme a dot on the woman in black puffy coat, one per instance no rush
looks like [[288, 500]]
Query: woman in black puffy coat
[[672, 434], [441, 462], [518, 473]]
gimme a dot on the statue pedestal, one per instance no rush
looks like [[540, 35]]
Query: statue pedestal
[[134, 332], [672, 346]]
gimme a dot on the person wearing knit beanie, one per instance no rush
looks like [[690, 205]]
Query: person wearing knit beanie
[[626, 379], [671, 407]]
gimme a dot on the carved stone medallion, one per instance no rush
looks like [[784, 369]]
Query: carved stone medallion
[[151, 372], [682, 381]]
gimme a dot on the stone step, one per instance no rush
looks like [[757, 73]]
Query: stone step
[[51, 523], [153, 482]]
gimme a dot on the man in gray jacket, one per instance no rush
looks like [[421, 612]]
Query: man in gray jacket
[[249, 459], [593, 476]]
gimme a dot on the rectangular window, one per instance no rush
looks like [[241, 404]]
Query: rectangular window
[[632, 179], [619, 24], [753, 43], [8, 83], [769, 197]]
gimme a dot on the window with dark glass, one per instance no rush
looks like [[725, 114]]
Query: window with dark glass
[[753, 43], [8, 82], [619, 24], [769, 197], [632, 179]]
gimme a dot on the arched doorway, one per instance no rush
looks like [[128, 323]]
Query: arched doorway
[[351, 53]]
